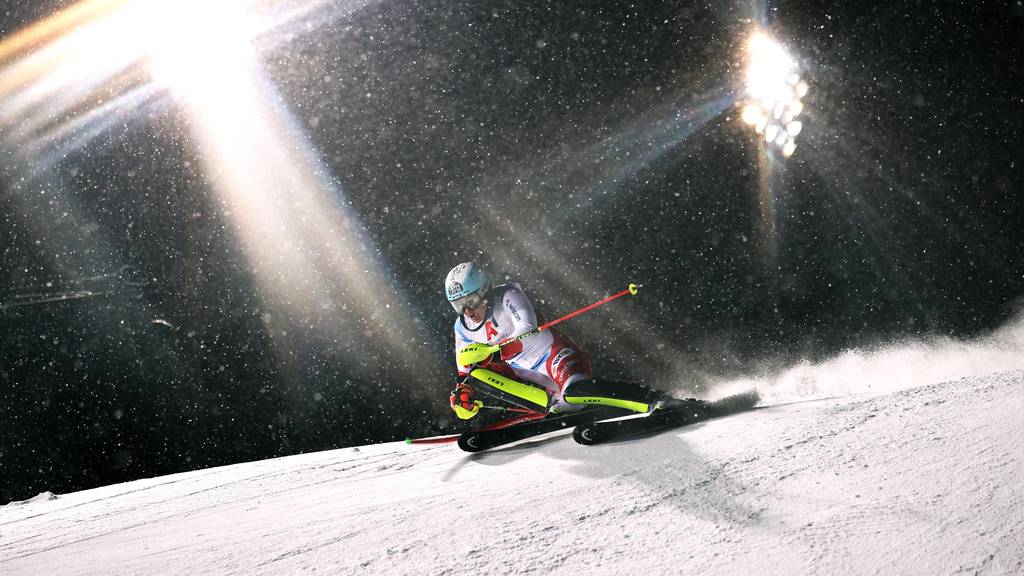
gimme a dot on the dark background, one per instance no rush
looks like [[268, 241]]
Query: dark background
[[555, 142]]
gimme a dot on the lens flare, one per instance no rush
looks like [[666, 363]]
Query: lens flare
[[212, 52], [95, 65]]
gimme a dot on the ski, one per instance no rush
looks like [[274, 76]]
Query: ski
[[477, 440], [688, 412]]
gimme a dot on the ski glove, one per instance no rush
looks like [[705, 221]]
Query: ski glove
[[463, 403]]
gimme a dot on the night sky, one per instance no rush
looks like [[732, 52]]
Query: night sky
[[574, 147]]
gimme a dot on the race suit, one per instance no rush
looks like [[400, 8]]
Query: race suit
[[547, 359]]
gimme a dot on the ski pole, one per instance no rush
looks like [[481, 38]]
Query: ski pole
[[632, 289], [476, 352], [509, 409], [433, 440]]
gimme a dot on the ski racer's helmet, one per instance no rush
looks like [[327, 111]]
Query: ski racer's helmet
[[466, 286]]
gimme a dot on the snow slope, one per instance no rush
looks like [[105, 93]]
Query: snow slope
[[923, 480]]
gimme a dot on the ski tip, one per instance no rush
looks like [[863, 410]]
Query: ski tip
[[584, 435], [408, 440], [632, 289]]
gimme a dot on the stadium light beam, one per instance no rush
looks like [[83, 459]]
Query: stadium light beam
[[315, 266]]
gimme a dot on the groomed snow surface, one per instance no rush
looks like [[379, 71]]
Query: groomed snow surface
[[909, 479]]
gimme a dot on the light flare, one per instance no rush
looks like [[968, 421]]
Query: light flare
[[213, 51], [774, 92], [317, 272]]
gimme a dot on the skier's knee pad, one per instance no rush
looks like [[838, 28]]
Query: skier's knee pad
[[612, 389], [628, 395], [510, 390]]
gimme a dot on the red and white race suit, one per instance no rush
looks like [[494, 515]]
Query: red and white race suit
[[547, 358]]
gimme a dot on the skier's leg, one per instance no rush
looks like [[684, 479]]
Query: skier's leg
[[566, 384], [566, 364], [569, 367]]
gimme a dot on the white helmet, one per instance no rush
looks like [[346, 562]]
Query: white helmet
[[466, 286]]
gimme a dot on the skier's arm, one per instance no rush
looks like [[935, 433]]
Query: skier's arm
[[524, 319]]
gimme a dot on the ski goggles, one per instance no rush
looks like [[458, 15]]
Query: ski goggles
[[468, 301]]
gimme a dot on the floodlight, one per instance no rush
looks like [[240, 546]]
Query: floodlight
[[774, 92]]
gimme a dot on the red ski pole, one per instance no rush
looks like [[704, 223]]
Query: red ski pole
[[632, 289], [476, 352]]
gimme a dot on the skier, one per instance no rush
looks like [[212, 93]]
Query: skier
[[547, 360]]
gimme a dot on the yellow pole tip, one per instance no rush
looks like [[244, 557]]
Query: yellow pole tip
[[632, 289]]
